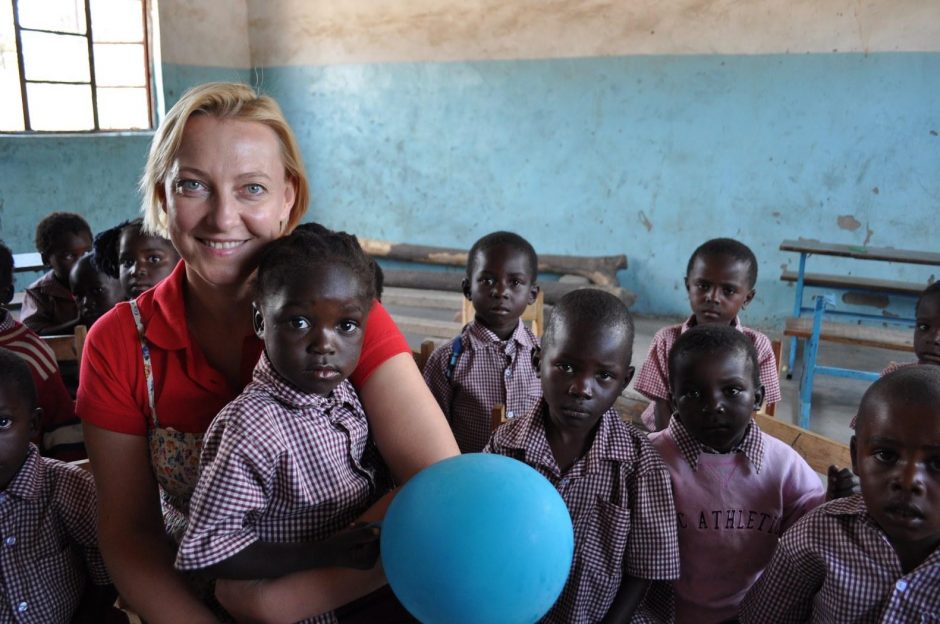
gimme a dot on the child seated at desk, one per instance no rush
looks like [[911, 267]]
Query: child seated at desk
[[50, 570], [48, 306], [490, 362], [719, 279], [95, 291], [614, 483], [289, 464], [875, 556], [736, 488], [140, 261], [926, 330]]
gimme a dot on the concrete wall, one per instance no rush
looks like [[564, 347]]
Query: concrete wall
[[589, 126]]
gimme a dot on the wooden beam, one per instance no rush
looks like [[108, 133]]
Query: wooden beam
[[819, 451], [423, 299], [601, 270]]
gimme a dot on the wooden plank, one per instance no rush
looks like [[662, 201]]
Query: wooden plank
[[424, 299], [450, 282], [862, 252], [63, 347], [819, 451], [27, 262], [427, 327], [859, 335], [600, 270], [854, 282]]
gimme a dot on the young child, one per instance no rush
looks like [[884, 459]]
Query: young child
[[615, 485], [490, 362], [290, 463], [60, 434], [926, 330], [49, 307], [50, 570], [873, 557], [736, 489], [140, 261], [720, 280], [95, 291]]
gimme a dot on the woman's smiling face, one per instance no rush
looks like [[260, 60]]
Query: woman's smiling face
[[226, 196]]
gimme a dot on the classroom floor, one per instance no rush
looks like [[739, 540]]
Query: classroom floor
[[834, 399]]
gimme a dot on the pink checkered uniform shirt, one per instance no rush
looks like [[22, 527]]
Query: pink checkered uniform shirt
[[280, 465], [653, 378], [48, 541], [488, 371], [837, 565], [620, 501]]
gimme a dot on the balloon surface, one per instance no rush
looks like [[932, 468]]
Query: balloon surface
[[477, 538]]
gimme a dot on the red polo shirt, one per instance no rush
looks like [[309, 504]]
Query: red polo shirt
[[189, 392]]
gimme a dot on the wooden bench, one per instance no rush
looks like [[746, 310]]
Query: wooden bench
[[68, 347], [854, 282]]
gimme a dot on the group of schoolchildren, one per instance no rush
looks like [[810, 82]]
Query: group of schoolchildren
[[706, 518]]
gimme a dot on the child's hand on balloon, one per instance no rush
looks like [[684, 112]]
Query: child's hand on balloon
[[356, 547]]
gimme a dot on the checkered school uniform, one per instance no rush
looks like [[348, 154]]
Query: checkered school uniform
[[280, 465], [488, 371], [652, 380], [621, 505], [48, 541], [836, 565]]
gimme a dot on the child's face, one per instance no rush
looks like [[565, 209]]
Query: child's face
[[583, 371], [896, 455], [500, 288], [18, 423], [313, 328], [94, 292], [65, 253], [718, 288], [714, 395], [144, 261], [927, 330]]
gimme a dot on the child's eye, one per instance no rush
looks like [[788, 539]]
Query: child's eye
[[299, 322], [604, 376], [732, 391], [885, 456], [489, 281], [154, 259], [348, 327], [127, 263], [730, 291], [5, 423], [565, 368], [692, 394], [702, 285], [922, 327]]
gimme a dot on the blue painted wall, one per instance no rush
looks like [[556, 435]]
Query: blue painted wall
[[645, 155]]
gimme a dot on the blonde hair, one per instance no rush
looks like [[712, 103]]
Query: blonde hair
[[225, 100]]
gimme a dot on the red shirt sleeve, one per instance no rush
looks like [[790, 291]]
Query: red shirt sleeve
[[382, 341], [111, 375]]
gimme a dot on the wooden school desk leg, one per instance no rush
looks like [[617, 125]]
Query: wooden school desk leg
[[797, 309], [775, 346]]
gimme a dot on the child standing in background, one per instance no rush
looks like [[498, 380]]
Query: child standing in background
[[289, 464], [48, 306], [736, 489], [51, 570], [490, 362], [140, 261], [720, 280], [95, 292], [926, 330], [875, 556], [613, 482], [60, 434]]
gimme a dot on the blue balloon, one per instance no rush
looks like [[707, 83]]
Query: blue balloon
[[477, 538]]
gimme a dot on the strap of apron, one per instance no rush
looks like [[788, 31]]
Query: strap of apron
[[148, 369]]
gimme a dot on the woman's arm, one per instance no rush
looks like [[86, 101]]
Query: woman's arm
[[404, 418], [137, 551]]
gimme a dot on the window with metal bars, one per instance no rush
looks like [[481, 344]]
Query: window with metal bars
[[74, 66]]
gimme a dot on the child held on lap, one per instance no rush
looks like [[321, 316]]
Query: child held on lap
[[289, 463], [95, 291], [614, 484], [140, 261], [51, 570], [492, 363], [875, 556], [736, 489], [48, 306], [720, 280], [60, 432]]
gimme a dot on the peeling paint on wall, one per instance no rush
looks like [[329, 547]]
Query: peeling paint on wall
[[646, 222], [848, 222]]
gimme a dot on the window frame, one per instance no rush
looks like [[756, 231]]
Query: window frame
[[92, 82]]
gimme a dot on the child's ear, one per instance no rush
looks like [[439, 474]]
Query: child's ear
[[749, 298], [537, 360], [759, 397], [533, 293], [465, 287], [685, 280], [626, 380], [257, 320], [673, 404], [6, 295], [853, 451], [35, 418]]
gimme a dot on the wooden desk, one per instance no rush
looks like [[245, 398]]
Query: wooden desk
[[807, 248]]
